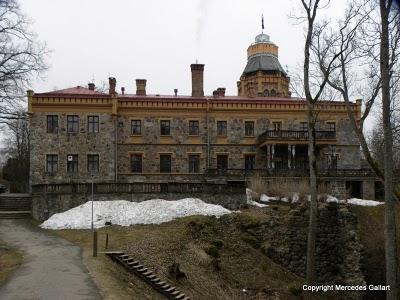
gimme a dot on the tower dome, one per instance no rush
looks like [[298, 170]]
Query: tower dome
[[263, 75], [262, 38]]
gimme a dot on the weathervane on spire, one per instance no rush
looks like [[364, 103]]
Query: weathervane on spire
[[262, 23]]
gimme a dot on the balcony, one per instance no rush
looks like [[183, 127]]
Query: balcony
[[294, 135]]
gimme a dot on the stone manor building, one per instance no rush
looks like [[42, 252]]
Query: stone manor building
[[80, 134]]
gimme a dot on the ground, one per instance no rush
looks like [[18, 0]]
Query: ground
[[218, 259], [51, 268], [10, 259]]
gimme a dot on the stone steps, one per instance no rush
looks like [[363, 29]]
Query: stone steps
[[20, 203], [146, 275], [15, 214]]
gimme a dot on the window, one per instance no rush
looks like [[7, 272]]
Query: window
[[249, 162], [52, 124], [193, 127], [136, 127], [93, 124], [249, 128], [165, 128], [136, 163], [72, 124], [266, 93], [303, 126], [273, 93], [331, 126], [222, 161], [277, 126], [194, 163], [93, 163], [221, 128], [51, 163], [72, 163], [165, 163]]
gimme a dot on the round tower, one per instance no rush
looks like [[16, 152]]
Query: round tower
[[263, 75]]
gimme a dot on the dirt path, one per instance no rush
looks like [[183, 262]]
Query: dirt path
[[51, 269]]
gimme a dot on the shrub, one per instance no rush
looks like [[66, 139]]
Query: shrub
[[212, 251], [217, 243], [251, 240], [257, 184], [201, 227], [247, 222], [286, 188], [295, 290], [216, 264]]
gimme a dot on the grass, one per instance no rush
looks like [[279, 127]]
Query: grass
[[222, 273], [10, 259]]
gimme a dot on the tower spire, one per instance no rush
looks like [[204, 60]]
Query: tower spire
[[262, 23]]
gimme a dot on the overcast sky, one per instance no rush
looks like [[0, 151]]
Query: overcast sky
[[158, 40]]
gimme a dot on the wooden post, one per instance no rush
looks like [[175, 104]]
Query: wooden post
[[95, 243]]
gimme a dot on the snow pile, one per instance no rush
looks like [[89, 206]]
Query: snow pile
[[250, 201], [330, 198], [363, 202], [125, 213], [265, 198], [354, 201]]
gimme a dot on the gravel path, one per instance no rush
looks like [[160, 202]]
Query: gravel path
[[52, 267]]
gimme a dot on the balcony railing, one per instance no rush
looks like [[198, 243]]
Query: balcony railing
[[296, 135], [298, 171]]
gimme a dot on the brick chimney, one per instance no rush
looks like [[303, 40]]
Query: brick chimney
[[221, 92], [141, 87], [112, 83], [91, 86], [197, 80]]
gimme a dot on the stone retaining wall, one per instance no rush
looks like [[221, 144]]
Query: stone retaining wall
[[338, 247]]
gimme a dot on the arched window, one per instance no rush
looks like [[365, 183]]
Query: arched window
[[266, 93], [273, 92]]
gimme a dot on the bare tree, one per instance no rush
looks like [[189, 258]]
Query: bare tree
[[352, 45], [390, 216], [22, 58], [16, 168], [313, 93]]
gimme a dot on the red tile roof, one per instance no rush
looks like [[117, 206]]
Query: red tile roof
[[82, 91], [78, 90]]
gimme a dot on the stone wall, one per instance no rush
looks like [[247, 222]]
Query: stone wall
[[338, 188], [338, 251], [63, 144], [45, 205]]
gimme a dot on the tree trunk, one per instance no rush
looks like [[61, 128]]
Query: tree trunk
[[313, 220], [390, 220]]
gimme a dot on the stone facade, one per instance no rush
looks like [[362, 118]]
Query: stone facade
[[63, 144], [179, 143]]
